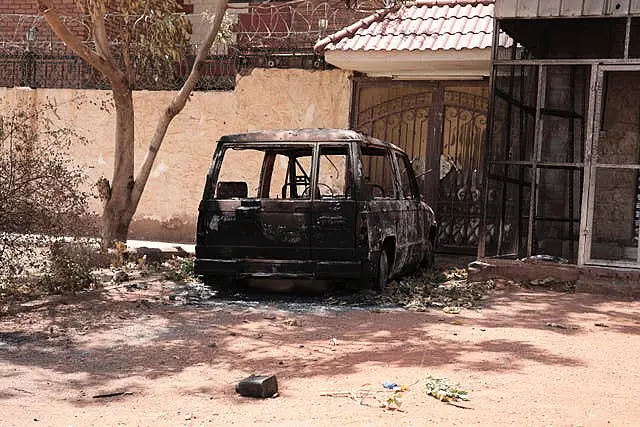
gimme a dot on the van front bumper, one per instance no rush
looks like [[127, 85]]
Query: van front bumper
[[271, 268]]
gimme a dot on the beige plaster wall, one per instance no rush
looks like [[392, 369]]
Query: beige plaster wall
[[265, 99]]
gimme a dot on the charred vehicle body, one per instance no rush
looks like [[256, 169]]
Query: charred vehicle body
[[311, 204]]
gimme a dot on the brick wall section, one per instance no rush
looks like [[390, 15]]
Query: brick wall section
[[300, 19], [294, 25], [13, 28], [65, 7]]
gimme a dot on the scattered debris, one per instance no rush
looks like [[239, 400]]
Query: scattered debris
[[292, 322], [393, 386], [443, 391], [392, 400], [262, 386], [390, 385], [557, 325], [389, 400], [119, 276], [546, 258], [552, 283], [119, 393], [436, 287], [333, 342]]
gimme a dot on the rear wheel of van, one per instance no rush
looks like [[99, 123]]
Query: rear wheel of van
[[383, 271]]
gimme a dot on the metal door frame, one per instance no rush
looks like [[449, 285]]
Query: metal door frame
[[596, 99]]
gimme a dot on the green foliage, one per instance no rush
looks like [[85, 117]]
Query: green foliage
[[147, 38], [443, 391], [180, 269]]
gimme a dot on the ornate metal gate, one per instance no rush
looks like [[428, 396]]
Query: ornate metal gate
[[459, 199], [403, 120], [434, 122]]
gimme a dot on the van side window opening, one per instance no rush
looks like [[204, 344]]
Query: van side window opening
[[334, 173], [268, 172], [378, 173], [239, 175]]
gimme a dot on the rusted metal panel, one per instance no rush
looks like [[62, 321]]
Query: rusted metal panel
[[527, 9], [506, 8], [593, 7], [571, 8], [549, 7], [618, 7]]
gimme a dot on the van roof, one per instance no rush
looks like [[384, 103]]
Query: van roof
[[305, 136]]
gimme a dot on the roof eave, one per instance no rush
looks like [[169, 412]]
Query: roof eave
[[464, 64]]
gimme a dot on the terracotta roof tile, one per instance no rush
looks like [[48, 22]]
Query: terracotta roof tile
[[427, 25]]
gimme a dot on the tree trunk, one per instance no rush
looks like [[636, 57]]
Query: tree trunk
[[118, 208], [115, 228]]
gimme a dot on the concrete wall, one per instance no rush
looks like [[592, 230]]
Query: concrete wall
[[265, 99]]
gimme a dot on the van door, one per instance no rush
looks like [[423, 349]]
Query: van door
[[333, 218], [413, 232], [381, 208], [259, 204]]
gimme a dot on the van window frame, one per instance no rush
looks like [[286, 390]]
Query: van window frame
[[214, 172]]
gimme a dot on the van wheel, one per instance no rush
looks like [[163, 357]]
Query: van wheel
[[383, 271], [429, 259]]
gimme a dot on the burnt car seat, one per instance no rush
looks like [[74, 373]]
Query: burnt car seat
[[232, 190]]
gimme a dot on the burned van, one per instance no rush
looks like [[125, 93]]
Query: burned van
[[312, 204]]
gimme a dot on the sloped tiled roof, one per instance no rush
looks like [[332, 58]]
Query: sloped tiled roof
[[427, 25]]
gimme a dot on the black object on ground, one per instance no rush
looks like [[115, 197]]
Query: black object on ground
[[258, 386]]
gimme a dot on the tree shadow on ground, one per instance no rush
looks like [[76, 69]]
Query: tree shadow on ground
[[105, 339], [101, 337], [558, 311]]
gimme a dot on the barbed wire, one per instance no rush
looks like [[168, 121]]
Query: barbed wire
[[254, 24], [268, 35]]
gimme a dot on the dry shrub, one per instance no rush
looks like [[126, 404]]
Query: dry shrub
[[41, 197], [70, 267]]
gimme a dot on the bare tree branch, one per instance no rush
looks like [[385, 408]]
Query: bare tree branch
[[126, 57], [47, 10], [101, 39], [178, 103]]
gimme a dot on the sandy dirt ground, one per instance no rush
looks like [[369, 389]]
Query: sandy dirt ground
[[528, 358]]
